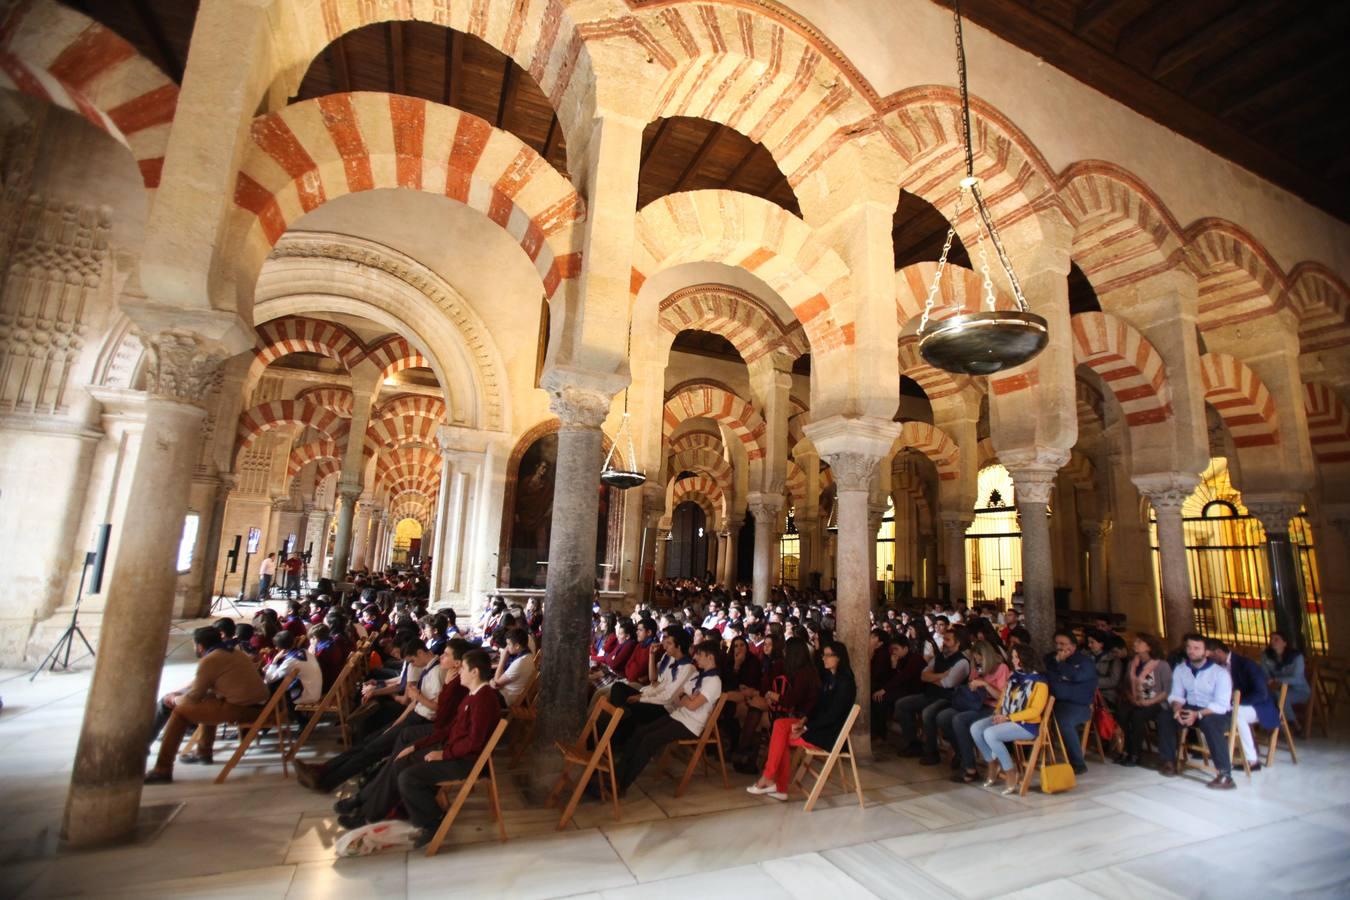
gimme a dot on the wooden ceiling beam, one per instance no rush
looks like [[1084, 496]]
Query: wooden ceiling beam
[[1242, 60], [453, 74], [507, 96], [548, 138], [397, 69], [1092, 13], [700, 157], [337, 61], [1217, 32], [1310, 66], [661, 131], [739, 169], [173, 64]]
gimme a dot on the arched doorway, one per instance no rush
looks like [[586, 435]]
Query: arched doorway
[[407, 547], [994, 541], [687, 555]]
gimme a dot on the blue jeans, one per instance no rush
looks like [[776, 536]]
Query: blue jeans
[[956, 726], [992, 740], [1070, 716]]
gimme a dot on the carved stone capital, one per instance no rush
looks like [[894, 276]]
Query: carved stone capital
[[580, 408], [956, 522], [1274, 513], [853, 447], [181, 366], [227, 481], [348, 492], [853, 471], [1167, 491], [765, 507]]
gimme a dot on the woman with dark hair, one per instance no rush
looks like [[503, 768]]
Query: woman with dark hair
[[818, 730], [1018, 717], [1149, 681], [1109, 666], [605, 638], [1284, 663], [793, 693]]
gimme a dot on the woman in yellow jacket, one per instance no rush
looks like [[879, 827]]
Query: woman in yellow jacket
[[1018, 717]]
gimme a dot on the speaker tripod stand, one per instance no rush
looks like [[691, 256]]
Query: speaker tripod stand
[[67, 639]]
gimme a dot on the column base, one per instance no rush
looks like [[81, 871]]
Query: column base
[[99, 815]]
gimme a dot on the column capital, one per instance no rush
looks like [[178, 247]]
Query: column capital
[[349, 492], [228, 481], [1033, 471], [1167, 491], [1274, 510], [954, 520], [581, 399], [853, 446], [765, 505], [181, 366]]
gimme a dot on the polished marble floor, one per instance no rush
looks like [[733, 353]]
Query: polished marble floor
[[1120, 833]]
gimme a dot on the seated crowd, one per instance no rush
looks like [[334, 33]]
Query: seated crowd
[[967, 680]]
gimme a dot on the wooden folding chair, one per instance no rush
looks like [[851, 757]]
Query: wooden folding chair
[[466, 785], [337, 701], [698, 747], [1036, 746], [1090, 731], [598, 760], [1281, 729], [1185, 747], [274, 715], [525, 711], [838, 752], [1329, 678]]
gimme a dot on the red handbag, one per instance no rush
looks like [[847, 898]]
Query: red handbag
[[1103, 720]]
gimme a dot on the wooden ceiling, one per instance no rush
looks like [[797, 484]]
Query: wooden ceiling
[[1259, 82]]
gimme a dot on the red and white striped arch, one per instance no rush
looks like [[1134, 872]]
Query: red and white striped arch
[[734, 314], [1122, 232], [1322, 303], [697, 440], [308, 153], [1240, 398], [326, 468], [418, 456], [334, 398], [314, 451], [940, 386], [960, 291], [295, 334], [396, 354], [1238, 280], [1127, 364], [278, 413], [709, 462], [410, 481], [764, 239], [413, 405], [700, 487], [1328, 423], [1079, 471], [51, 52], [708, 402], [796, 484], [1091, 403], [933, 443], [399, 431]]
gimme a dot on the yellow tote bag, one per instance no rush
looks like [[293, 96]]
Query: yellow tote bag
[[1056, 777]]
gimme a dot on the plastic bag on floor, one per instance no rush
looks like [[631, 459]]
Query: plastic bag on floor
[[392, 834]]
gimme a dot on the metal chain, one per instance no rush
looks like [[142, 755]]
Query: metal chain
[[942, 264]]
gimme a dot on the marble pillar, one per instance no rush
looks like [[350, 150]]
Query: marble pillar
[[767, 509], [1290, 617], [1167, 493], [733, 552], [1099, 592], [571, 571], [1033, 477], [342, 541], [226, 482], [454, 528], [662, 545], [875, 513], [361, 536], [954, 526], [105, 785], [442, 519]]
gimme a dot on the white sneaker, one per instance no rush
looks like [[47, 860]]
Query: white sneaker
[[777, 795], [756, 789]]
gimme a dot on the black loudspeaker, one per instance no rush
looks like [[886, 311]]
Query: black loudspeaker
[[100, 557], [233, 555]]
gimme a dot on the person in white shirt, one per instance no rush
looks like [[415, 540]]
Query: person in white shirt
[[515, 668], [291, 659], [686, 720], [266, 572], [1201, 698]]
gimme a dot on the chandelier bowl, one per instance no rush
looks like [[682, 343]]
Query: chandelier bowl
[[622, 479], [984, 343]]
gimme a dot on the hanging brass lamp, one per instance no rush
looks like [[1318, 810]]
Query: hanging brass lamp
[[989, 341], [623, 479]]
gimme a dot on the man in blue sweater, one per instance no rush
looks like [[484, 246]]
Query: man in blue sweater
[[1257, 704], [1073, 683]]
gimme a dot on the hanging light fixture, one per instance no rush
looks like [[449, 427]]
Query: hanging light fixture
[[989, 341], [623, 479]]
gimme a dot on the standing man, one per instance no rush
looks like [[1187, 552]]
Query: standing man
[[1073, 683], [266, 571], [293, 566], [1202, 697]]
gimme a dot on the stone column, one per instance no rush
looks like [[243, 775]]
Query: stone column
[[854, 448], [766, 508], [442, 519], [954, 526], [875, 513], [1275, 513], [454, 548], [714, 545], [105, 785], [1167, 493], [662, 543], [571, 570], [1033, 477], [274, 536], [226, 483], [808, 539], [342, 541], [733, 549], [361, 536]]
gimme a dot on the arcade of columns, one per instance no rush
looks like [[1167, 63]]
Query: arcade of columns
[[167, 247]]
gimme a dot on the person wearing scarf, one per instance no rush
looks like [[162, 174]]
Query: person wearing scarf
[[1149, 682], [669, 678], [290, 660], [1201, 697]]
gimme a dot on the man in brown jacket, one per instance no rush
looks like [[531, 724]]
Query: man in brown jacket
[[227, 688]]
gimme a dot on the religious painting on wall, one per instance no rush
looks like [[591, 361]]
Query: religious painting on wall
[[532, 518]]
